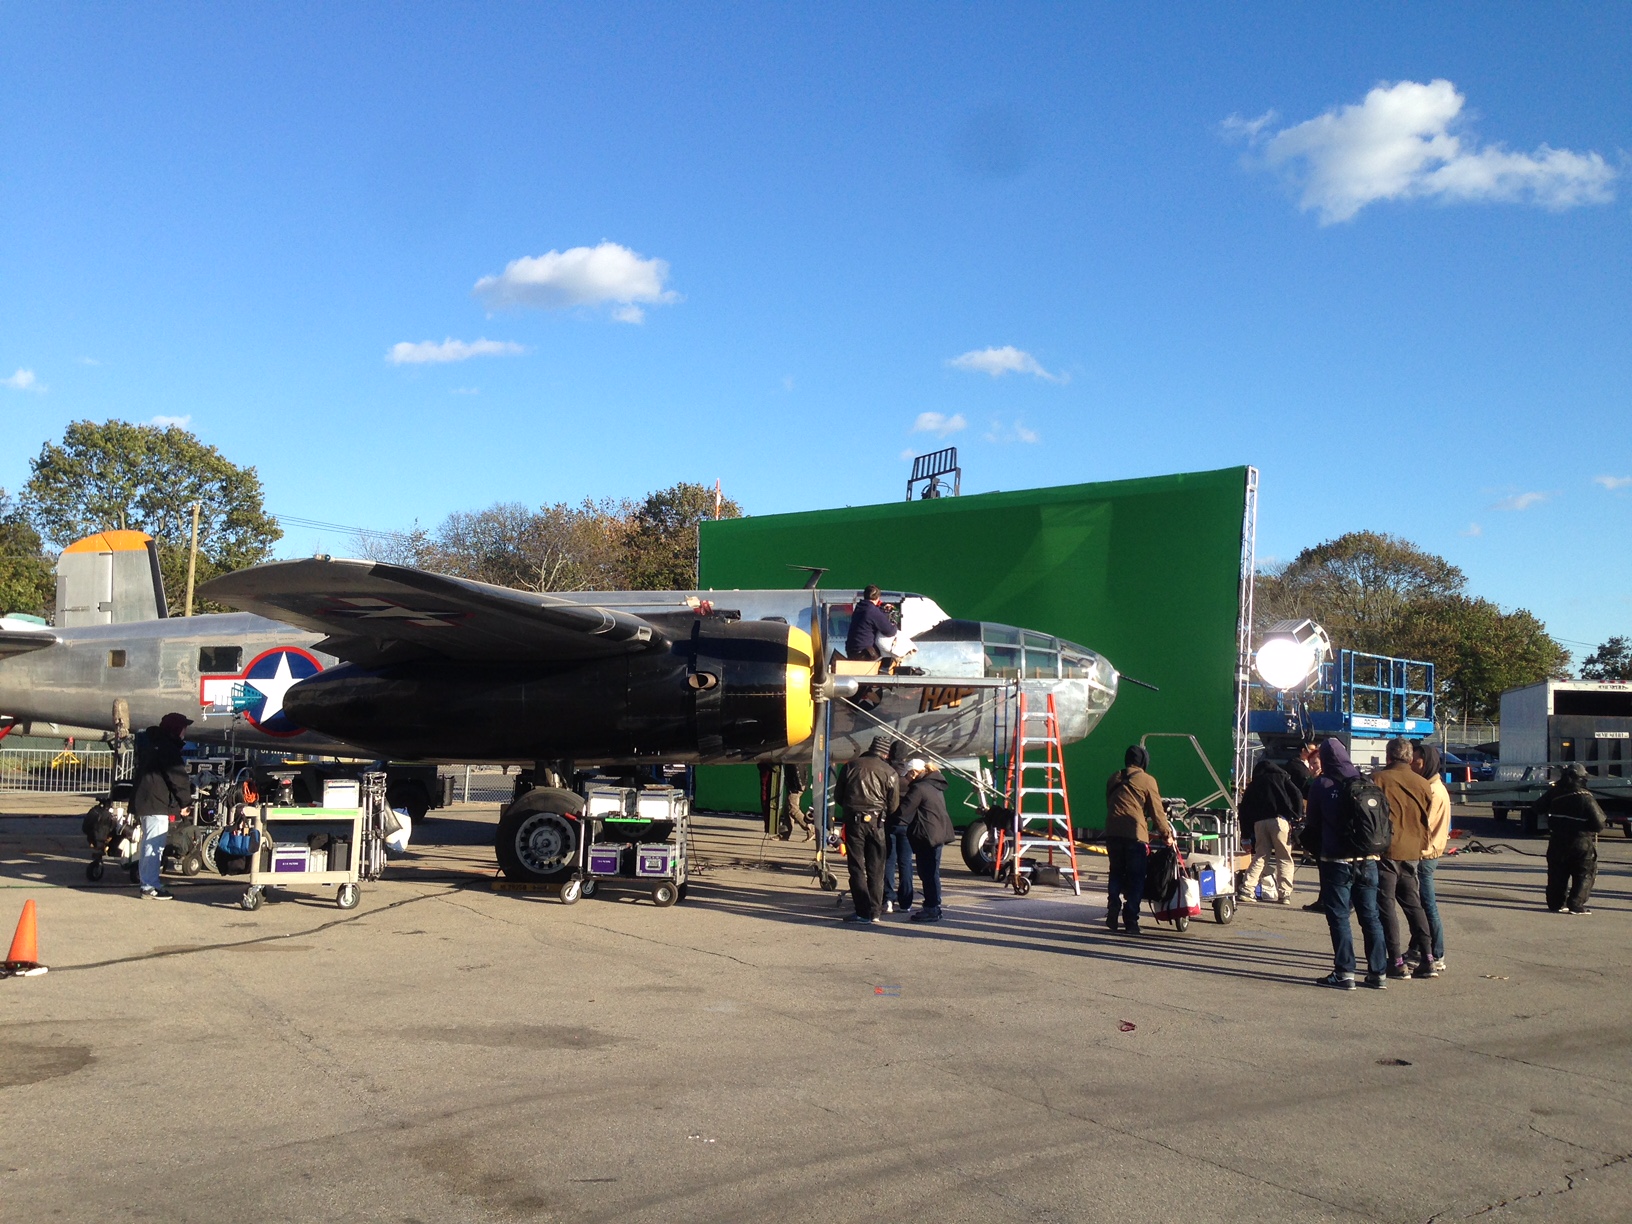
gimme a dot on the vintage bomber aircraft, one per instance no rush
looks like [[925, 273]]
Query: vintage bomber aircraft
[[396, 662]]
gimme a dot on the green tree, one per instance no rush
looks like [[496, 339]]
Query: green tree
[[555, 548], [661, 550], [1479, 651], [28, 581], [117, 475], [1611, 661]]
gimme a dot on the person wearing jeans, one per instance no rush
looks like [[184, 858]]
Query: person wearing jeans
[[928, 826], [1346, 881], [1426, 763], [161, 790], [1133, 803]]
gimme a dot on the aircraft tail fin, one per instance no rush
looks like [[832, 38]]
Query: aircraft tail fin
[[111, 578]]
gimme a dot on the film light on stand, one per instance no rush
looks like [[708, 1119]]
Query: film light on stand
[[1290, 654]]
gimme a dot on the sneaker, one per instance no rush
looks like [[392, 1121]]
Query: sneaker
[[1398, 971], [858, 918], [1374, 981], [1131, 929], [1413, 958], [1111, 923], [1583, 912], [1337, 981], [1314, 907], [1242, 898], [926, 915], [889, 907], [1559, 910], [157, 894], [1287, 900], [1439, 964], [1425, 971]]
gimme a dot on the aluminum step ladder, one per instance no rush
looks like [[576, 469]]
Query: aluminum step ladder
[[1038, 798]]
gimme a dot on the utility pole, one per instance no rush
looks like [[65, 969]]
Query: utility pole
[[192, 560]]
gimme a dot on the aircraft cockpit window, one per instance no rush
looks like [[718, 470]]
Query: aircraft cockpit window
[[220, 660], [1001, 635], [1040, 641], [1042, 664], [1076, 667], [1003, 662], [116, 658]]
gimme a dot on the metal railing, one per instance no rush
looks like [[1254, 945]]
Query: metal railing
[[63, 771]]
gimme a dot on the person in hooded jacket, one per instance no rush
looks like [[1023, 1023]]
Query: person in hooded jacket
[[929, 828], [1133, 803], [162, 791], [897, 845], [1427, 763], [1272, 805], [1346, 882], [1574, 821], [869, 790]]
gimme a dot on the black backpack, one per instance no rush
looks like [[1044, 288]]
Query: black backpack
[[1364, 825]]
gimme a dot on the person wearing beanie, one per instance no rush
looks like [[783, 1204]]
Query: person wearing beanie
[[1133, 803], [161, 792]]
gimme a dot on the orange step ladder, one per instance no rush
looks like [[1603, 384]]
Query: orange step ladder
[[1038, 798]]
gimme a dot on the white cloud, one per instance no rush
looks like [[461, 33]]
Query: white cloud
[[428, 352], [1521, 501], [1016, 432], [172, 422], [608, 274], [1612, 483], [1399, 144], [939, 424], [909, 455], [1000, 361], [23, 380], [1474, 530], [88, 361]]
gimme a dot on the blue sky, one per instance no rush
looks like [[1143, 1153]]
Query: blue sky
[[1381, 254]]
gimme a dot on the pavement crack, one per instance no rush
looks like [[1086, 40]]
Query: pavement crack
[[163, 953], [663, 943], [1570, 1177]]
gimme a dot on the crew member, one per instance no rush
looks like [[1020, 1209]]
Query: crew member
[[1347, 882], [897, 845], [1270, 807], [868, 623], [869, 791], [1425, 761], [1410, 802], [1574, 821], [929, 827], [1133, 802], [161, 791]]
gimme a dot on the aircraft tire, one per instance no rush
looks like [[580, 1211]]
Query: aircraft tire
[[537, 839], [978, 848]]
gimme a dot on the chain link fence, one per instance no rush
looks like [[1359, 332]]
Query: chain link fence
[[480, 783]]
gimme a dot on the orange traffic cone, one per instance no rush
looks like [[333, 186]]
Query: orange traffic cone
[[24, 958]]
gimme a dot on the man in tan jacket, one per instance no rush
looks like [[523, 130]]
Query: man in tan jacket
[[1133, 802], [1410, 801]]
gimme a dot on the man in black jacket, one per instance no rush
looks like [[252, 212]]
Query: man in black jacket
[[162, 790], [868, 623], [869, 790], [929, 829], [1574, 821]]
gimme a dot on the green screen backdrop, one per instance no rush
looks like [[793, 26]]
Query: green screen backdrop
[[1145, 572]]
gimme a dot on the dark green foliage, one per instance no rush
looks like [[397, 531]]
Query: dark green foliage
[[117, 475], [1611, 661], [28, 582]]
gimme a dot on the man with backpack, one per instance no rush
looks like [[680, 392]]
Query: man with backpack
[[1133, 802], [1349, 826], [1410, 805], [162, 790]]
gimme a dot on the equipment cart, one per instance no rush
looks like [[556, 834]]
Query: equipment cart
[[307, 846], [633, 836], [1209, 837]]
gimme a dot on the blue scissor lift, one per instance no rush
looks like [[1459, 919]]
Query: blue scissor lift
[[1362, 699]]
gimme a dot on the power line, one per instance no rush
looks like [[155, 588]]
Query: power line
[[318, 525]]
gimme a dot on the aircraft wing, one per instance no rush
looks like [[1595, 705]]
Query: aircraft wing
[[21, 641], [376, 613]]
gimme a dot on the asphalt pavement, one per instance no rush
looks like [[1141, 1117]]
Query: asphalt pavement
[[446, 1052]]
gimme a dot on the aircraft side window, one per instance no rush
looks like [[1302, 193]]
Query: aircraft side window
[[1042, 664], [116, 658], [1003, 662], [221, 660]]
